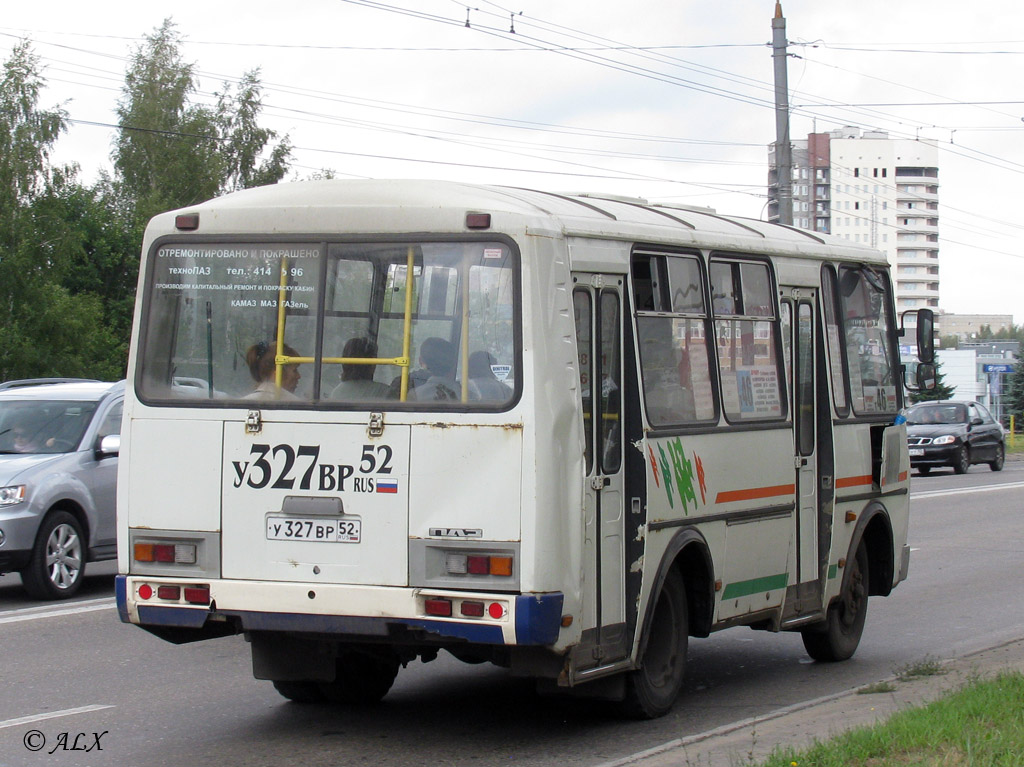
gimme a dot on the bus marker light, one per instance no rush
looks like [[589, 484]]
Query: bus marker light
[[197, 595], [439, 607], [472, 609], [163, 552], [496, 610], [501, 565], [478, 220], [169, 592], [145, 591], [187, 222]]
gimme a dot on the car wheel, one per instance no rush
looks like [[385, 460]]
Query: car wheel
[[924, 470], [837, 637], [962, 461], [653, 688], [58, 558], [997, 464]]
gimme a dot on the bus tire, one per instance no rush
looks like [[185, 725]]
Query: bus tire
[[362, 677], [300, 692], [837, 637], [653, 688]]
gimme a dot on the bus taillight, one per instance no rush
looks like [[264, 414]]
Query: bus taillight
[[478, 564], [439, 607], [178, 553]]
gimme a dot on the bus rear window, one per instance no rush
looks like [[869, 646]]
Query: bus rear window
[[417, 325]]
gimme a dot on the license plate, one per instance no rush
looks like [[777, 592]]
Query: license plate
[[314, 529], [916, 451]]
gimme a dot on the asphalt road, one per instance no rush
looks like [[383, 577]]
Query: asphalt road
[[146, 702]]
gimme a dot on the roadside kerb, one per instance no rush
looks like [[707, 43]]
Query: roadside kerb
[[750, 741]]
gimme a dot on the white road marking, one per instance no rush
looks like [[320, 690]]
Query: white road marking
[[50, 715], [48, 611], [961, 490]]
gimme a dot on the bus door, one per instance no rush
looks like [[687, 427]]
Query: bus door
[[812, 425], [597, 301]]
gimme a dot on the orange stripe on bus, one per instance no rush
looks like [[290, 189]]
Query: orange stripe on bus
[[754, 492], [853, 481]]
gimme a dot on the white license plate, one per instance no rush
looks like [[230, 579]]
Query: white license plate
[[282, 527], [916, 451]]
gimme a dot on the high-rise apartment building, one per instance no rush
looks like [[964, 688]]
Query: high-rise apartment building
[[873, 190]]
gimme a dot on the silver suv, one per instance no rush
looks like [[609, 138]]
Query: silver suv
[[59, 442]]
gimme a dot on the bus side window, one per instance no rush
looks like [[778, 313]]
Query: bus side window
[[870, 352], [747, 338], [672, 337], [833, 335]]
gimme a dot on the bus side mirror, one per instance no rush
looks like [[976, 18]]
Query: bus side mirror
[[919, 376], [926, 336], [925, 327]]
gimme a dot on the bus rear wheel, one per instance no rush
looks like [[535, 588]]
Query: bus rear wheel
[[837, 637], [653, 688], [362, 677], [300, 692]]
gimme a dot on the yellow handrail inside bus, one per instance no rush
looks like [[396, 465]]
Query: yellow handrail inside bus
[[465, 326], [281, 359], [282, 293], [407, 328]]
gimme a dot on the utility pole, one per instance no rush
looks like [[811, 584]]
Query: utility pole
[[783, 148]]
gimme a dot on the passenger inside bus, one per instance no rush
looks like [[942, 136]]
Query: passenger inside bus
[[357, 380], [483, 384], [439, 358], [260, 359]]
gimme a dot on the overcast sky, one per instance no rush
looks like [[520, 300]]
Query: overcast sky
[[670, 100]]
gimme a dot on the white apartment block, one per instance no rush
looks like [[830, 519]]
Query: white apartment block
[[876, 191]]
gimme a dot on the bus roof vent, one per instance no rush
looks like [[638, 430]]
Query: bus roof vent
[[612, 198], [691, 208]]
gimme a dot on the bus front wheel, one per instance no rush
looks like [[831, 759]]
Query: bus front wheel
[[838, 636], [653, 688]]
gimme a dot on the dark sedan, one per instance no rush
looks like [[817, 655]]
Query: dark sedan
[[954, 434]]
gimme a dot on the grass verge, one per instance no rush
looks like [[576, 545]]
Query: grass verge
[[982, 725]]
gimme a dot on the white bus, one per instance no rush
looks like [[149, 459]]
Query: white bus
[[369, 421]]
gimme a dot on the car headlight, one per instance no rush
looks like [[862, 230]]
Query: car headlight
[[948, 439], [12, 495]]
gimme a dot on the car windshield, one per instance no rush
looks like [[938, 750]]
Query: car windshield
[[43, 426], [938, 414]]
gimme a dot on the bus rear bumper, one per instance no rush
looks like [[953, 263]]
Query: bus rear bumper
[[367, 612]]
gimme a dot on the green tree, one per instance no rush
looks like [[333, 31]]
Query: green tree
[[172, 152], [165, 155], [244, 142], [1013, 399], [941, 390], [45, 329]]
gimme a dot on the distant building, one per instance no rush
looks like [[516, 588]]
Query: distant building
[[872, 190], [968, 326], [979, 372]]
